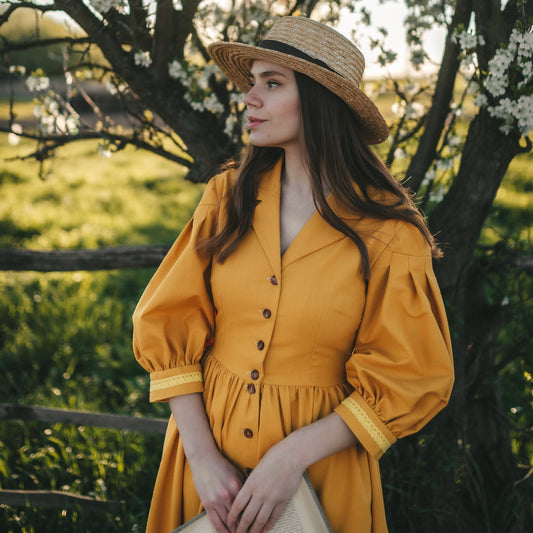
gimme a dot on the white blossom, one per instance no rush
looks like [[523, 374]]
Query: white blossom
[[103, 6], [467, 41], [104, 152], [114, 89], [455, 141], [13, 139], [212, 104], [509, 111], [399, 153], [438, 195], [177, 72], [508, 64], [142, 59], [429, 176], [17, 69], [411, 110], [444, 164], [230, 125], [481, 100], [37, 82]]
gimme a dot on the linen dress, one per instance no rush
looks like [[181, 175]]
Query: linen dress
[[292, 338]]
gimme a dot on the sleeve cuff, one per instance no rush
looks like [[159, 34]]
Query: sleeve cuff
[[371, 432], [165, 384]]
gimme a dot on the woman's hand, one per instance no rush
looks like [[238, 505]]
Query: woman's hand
[[264, 494], [217, 482], [277, 476]]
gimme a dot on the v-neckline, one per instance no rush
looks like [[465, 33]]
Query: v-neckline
[[314, 234]]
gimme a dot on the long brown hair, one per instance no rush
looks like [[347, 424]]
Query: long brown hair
[[337, 158]]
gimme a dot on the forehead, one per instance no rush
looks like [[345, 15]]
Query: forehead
[[259, 66]]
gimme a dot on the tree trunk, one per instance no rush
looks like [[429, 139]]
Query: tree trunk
[[476, 411], [427, 147]]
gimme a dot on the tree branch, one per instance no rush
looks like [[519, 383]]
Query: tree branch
[[164, 41], [50, 143], [26, 45], [426, 151]]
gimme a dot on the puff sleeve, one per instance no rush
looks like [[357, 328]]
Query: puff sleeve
[[174, 319], [401, 367]]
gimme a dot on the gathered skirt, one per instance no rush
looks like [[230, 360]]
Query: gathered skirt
[[347, 483]]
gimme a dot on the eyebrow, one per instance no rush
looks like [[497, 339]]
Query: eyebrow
[[268, 73]]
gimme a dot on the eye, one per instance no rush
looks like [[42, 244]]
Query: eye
[[271, 84]]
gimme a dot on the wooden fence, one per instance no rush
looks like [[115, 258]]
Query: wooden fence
[[58, 499], [119, 257]]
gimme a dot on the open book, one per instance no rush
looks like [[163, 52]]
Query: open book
[[302, 514]]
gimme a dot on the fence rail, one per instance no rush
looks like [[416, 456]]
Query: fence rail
[[83, 418], [114, 257], [58, 499], [55, 499], [120, 257]]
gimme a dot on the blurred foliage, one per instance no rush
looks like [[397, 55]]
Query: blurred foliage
[[65, 338]]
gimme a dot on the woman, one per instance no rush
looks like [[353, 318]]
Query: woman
[[296, 324]]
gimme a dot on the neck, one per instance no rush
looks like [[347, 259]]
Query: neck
[[295, 172]]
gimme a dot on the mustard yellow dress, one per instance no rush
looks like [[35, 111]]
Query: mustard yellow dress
[[292, 338]]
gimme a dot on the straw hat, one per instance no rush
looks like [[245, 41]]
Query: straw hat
[[313, 49]]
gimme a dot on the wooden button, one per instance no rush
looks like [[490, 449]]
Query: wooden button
[[254, 374], [251, 388], [248, 433], [274, 280], [260, 345], [267, 313]]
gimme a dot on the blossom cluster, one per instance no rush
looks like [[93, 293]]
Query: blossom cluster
[[411, 110], [142, 59], [52, 120], [195, 79], [103, 6], [518, 111], [468, 43], [509, 84], [37, 82]]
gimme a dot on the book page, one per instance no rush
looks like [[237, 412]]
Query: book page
[[289, 520]]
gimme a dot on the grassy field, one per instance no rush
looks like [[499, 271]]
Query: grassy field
[[65, 339]]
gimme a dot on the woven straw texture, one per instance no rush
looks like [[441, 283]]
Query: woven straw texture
[[321, 43]]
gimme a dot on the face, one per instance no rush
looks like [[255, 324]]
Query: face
[[273, 104]]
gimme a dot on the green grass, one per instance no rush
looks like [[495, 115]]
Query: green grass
[[65, 338]]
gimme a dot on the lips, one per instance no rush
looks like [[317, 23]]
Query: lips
[[254, 122]]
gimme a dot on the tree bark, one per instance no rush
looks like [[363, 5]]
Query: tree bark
[[202, 133], [458, 219], [427, 147]]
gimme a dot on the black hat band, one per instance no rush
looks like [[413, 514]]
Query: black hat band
[[290, 50]]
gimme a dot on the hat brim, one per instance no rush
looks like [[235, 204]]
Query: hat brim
[[235, 59]]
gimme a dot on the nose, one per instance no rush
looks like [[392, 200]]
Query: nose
[[251, 100]]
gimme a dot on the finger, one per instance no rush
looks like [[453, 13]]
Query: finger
[[276, 512], [217, 521], [239, 503], [248, 516], [261, 519]]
